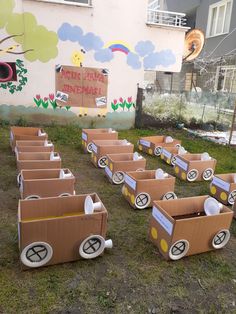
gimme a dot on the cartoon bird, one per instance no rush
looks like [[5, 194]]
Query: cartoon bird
[[13, 47]]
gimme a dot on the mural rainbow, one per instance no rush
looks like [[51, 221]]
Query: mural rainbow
[[119, 46]]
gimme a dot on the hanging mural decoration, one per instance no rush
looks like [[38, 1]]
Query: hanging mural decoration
[[16, 86], [77, 58], [81, 87], [144, 55]]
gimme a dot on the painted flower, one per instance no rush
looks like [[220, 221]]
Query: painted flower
[[114, 101], [121, 99], [130, 99], [45, 98], [51, 96], [37, 97]]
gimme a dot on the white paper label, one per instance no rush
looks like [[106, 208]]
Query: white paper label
[[94, 148], [145, 143], [166, 153], [130, 182], [182, 164], [163, 221], [108, 172], [221, 184], [84, 136]]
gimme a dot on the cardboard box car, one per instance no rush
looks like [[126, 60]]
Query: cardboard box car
[[34, 146], [168, 154], [57, 230], [234, 210], [181, 228], [153, 144], [118, 164], [100, 149], [223, 188], [26, 134], [37, 161], [46, 183], [141, 188], [88, 135], [190, 167]]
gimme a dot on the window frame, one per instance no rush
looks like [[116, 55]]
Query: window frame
[[217, 5], [78, 4], [225, 68]]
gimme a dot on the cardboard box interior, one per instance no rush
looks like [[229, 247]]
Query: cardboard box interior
[[43, 174]]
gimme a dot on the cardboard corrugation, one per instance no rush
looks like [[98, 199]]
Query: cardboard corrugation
[[145, 182], [88, 135], [225, 188], [165, 228], [36, 161], [46, 183], [103, 147], [193, 161], [60, 222], [148, 144], [25, 133]]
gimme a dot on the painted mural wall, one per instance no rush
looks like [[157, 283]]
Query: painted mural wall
[[37, 38]]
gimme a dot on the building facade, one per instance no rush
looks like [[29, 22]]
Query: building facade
[[104, 47]]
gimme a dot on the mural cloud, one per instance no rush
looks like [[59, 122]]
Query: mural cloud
[[144, 48], [104, 55], [163, 58], [133, 61]]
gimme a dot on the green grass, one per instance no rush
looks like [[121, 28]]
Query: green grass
[[132, 277]]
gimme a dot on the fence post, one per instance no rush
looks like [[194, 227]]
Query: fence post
[[139, 108], [233, 124]]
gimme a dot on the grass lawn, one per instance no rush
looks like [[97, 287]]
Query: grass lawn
[[130, 278]]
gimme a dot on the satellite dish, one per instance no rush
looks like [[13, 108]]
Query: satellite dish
[[194, 42]]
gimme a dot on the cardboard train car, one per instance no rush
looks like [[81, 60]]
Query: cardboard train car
[[223, 188], [141, 188], [181, 228], [119, 164], [88, 135], [49, 160], [26, 134], [61, 229], [191, 167], [34, 146], [46, 183], [153, 144], [100, 149]]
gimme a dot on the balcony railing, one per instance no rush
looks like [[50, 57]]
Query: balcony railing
[[166, 18]]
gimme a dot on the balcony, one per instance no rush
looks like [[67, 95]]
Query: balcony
[[166, 19]]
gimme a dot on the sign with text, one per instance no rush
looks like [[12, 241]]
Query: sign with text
[[81, 87]]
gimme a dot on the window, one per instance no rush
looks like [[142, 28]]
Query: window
[[219, 17], [84, 3], [226, 79]]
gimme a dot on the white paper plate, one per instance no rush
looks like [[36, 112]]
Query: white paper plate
[[169, 139], [159, 174], [212, 206], [205, 156], [88, 205]]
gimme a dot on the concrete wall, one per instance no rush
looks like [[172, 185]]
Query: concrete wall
[[110, 34]]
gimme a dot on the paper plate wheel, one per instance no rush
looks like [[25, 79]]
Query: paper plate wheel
[[90, 147], [92, 247], [169, 196], [173, 160], [32, 197], [142, 200], [179, 249], [192, 175], [177, 145], [208, 174], [221, 239], [19, 178], [64, 194], [232, 197], [36, 254], [102, 162], [157, 150], [118, 177]]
